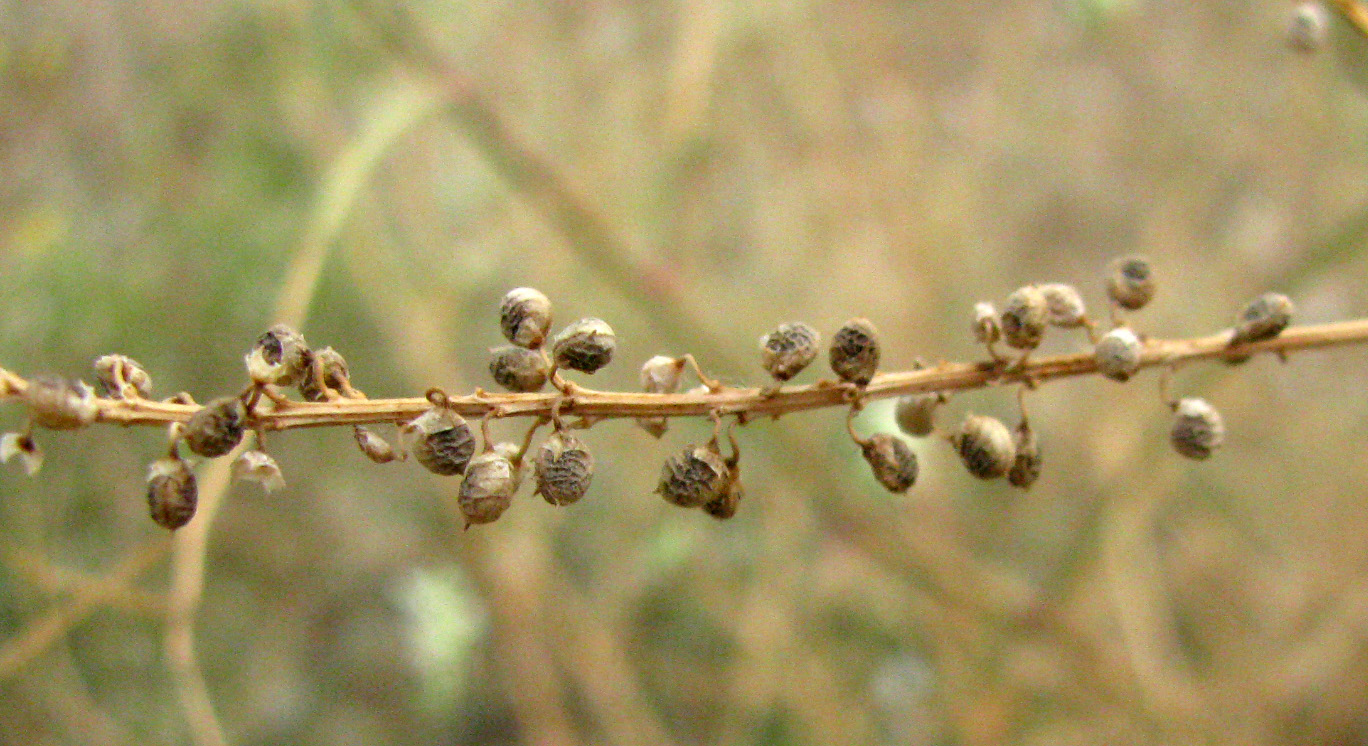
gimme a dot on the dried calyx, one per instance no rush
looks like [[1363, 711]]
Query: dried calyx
[[894, 464], [1265, 317], [121, 377], [327, 377], [1118, 354], [519, 369], [1197, 429], [790, 348], [439, 438], [525, 317], [59, 404], [854, 351], [563, 468], [586, 345], [172, 492], [1130, 282], [985, 446], [280, 356], [216, 428], [1024, 317]]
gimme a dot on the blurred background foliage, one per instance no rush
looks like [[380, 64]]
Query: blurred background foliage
[[179, 174]]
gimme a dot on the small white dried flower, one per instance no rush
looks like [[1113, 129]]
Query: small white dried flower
[[1064, 305], [259, 467], [661, 374], [23, 446]]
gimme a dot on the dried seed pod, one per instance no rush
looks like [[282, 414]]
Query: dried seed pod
[[1197, 428], [259, 467], [1130, 282], [25, 447], [1026, 465], [586, 345], [1024, 317], [488, 487], [854, 351], [59, 404], [725, 504], [1264, 318], [441, 441], [216, 428], [1064, 306], [1308, 27], [172, 493], [121, 377], [332, 368], [985, 446], [525, 317], [789, 349], [661, 374], [280, 356], [563, 468], [987, 329], [376, 448], [693, 478], [1118, 354], [916, 413], [893, 463], [518, 369]]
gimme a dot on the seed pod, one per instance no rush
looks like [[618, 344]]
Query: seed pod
[[586, 345], [854, 351], [259, 467], [376, 448], [1118, 354], [563, 468], [1308, 27], [525, 317], [488, 487], [1264, 318], [916, 413], [789, 349], [518, 369], [1064, 306], [441, 441], [987, 329], [121, 377], [280, 356], [985, 446], [893, 463], [725, 504], [1197, 429], [694, 477], [59, 404], [216, 428], [334, 372], [1024, 317], [172, 493], [1130, 283], [1026, 465]]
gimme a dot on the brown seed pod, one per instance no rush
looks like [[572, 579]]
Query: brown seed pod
[[525, 317], [987, 328], [1118, 354], [172, 493], [334, 371], [916, 413], [693, 478], [1308, 27], [854, 351], [441, 441], [586, 345], [725, 504], [985, 446], [1026, 465], [216, 428], [376, 448], [789, 349], [1130, 282], [121, 377], [1264, 318], [59, 404], [1197, 428], [1064, 305], [280, 356], [488, 487], [518, 369], [1024, 317], [563, 468], [893, 463]]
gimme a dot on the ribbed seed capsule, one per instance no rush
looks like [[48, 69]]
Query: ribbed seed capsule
[[854, 351], [1064, 305], [172, 493], [121, 377], [893, 463], [789, 349], [1026, 465], [332, 368], [59, 404], [376, 448], [916, 413], [441, 441], [488, 487], [1309, 27], [987, 328], [525, 317], [216, 428], [1118, 354], [518, 369], [693, 478], [280, 356], [1264, 318], [1197, 428], [1130, 282], [563, 468], [1024, 317], [985, 445], [586, 345]]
